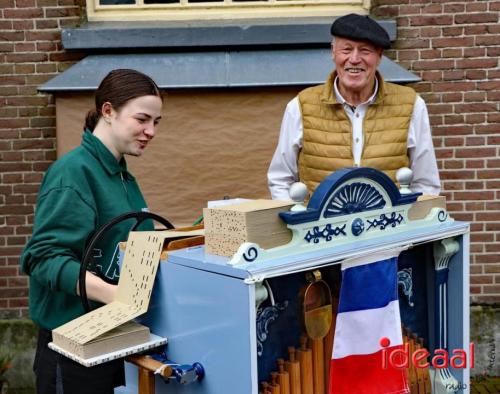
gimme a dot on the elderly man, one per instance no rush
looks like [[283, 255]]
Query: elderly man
[[354, 119]]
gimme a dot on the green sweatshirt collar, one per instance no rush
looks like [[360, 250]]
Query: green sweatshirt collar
[[104, 155]]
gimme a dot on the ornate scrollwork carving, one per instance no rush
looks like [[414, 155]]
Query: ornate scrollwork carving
[[265, 317], [384, 221], [251, 254], [353, 198], [327, 233], [405, 280], [442, 216]]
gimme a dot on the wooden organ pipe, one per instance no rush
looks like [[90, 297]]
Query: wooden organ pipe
[[318, 366], [275, 387], [411, 373], [283, 377], [419, 371], [293, 368], [328, 344], [304, 356], [425, 371], [418, 378], [266, 388]]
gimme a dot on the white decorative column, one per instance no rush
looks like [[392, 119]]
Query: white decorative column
[[441, 378]]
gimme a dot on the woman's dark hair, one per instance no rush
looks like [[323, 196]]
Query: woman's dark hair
[[118, 87]]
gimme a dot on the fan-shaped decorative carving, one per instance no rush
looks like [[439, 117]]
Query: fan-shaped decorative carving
[[356, 197]]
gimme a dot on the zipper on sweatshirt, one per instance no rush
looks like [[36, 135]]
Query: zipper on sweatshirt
[[123, 184]]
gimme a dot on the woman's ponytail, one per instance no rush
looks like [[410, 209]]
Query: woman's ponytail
[[91, 120]]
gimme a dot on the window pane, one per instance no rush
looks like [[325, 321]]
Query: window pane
[[178, 1], [116, 2], [161, 1]]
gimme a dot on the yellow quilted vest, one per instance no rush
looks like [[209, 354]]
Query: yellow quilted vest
[[327, 141]]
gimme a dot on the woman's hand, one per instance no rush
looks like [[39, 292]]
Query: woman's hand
[[97, 289]]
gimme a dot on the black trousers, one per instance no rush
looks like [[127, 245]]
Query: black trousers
[[57, 374]]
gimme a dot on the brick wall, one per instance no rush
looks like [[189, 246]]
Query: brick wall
[[30, 54], [452, 45]]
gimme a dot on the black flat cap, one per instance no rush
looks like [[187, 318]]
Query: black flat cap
[[359, 27]]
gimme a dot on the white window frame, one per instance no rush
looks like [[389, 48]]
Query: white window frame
[[224, 10]]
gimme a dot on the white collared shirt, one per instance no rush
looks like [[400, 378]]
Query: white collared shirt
[[283, 170]]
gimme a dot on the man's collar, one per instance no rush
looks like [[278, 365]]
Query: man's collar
[[342, 100], [329, 93]]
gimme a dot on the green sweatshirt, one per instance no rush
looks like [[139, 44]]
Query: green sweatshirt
[[80, 192]]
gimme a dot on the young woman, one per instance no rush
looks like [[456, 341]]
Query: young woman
[[80, 192]]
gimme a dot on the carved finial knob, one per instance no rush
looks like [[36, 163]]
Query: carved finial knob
[[298, 192], [404, 176]]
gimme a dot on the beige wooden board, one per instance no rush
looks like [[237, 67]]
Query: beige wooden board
[[138, 272], [210, 143], [421, 208]]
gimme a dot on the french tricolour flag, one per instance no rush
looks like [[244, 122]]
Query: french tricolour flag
[[368, 311]]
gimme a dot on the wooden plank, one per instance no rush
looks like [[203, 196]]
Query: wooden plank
[[146, 381]]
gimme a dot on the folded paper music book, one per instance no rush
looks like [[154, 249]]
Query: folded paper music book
[[110, 327], [126, 335]]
